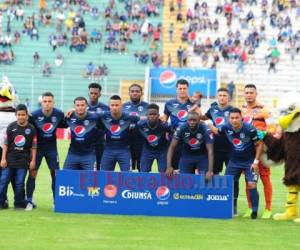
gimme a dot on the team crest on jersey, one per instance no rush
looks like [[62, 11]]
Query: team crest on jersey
[[219, 121], [198, 136], [19, 140], [53, 119], [226, 113], [121, 122], [140, 108], [27, 131], [182, 115], [152, 139], [79, 131], [193, 142], [86, 122], [47, 127], [242, 135], [115, 129], [237, 142]]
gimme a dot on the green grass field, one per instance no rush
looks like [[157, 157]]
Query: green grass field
[[43, 229]]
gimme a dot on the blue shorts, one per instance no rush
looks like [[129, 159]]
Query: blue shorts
[[112, 156], [236, 172], [80, 161], [220, 158], [188, 163], [99, 152], [51, 157], [148, 156]]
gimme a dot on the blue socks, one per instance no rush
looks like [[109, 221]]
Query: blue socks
[[254, 197]]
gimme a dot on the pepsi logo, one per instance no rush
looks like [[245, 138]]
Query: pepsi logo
[[47, 127], [247, 119], [110, 191], [182, 115], [237, 142], [115, 129], [152, 138], [219, 120], [79, 131], [193, 142], [167, 78], [163, 193], [19, 140]]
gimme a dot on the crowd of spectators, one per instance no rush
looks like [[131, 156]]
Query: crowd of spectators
[[94, 72], [125, 22], [248, 24]]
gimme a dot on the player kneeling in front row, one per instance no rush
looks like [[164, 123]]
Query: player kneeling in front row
[[197, 149], [245, 152], [155, 146], [19, 153]]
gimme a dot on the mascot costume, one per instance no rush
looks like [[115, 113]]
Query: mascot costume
[[286, 147], [8, 102]]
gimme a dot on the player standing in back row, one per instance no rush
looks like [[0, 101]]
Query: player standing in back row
[[177, 110], [136, 107], [256, 114]]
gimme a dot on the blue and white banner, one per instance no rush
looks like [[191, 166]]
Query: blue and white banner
[[184, 195], [163, 80]]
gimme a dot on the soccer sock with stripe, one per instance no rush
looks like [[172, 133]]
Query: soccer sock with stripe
[[254, 197]]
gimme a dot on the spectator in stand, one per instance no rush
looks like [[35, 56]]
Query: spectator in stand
[[171, 32], [36, 59], [144, 57], [180, 52], [89, 69], [47, 71]]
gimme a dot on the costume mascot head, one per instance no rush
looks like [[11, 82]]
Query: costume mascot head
[[8, 102], [286, 147]]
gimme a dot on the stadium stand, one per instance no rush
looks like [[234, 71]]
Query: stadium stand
[[273, 23], [67, 80]]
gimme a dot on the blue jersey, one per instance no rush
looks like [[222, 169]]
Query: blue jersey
[[117, 130], [98, 109], [139, 109], [154, 138], [194, 141], [242, 144], [46, 127], [219, 118], [178, 112], [83, 132]]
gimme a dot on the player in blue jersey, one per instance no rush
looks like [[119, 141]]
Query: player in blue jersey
[[246, 150], [138, 108], [197, 147], [116, 125], [177, 110], [84, 128], [94, 106], [218, 113], [45, 120], [155, 145]]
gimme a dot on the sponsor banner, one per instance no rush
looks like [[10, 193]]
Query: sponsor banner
[[163, 80], [127, 193]]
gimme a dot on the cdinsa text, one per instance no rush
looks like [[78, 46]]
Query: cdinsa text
[[129, 194]]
